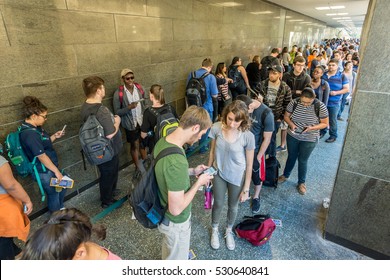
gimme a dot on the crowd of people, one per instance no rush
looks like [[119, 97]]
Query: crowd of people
[[303, 92]]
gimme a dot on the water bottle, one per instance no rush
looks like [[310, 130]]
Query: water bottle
[[208, 197], [326, 202]]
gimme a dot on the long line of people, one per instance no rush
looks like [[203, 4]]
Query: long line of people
[[302, 106]]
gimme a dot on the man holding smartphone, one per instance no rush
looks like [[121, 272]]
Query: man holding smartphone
[[127, 103]]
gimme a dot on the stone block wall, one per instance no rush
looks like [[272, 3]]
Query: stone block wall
[[48, 46]]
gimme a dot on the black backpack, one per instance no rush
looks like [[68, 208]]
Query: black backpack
[[196, 90], [272, 166], [144, 198], [95, 146], [235, 75], [166, 122]]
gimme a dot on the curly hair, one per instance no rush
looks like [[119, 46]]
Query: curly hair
[[240, 111], [61, 235]]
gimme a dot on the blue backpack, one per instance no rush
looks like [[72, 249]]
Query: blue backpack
[[19, 159]]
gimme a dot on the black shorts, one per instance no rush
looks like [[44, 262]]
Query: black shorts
[[133, 135]]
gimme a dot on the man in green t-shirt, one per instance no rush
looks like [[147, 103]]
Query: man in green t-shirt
[[172, 175]]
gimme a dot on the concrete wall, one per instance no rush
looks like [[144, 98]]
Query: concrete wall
[[359, 210], [48, 46]]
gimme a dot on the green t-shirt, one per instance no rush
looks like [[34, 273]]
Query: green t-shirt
[[172, 175]]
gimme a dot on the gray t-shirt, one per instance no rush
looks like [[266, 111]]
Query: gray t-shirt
[[272, 92], [2, 162], [230, 158]]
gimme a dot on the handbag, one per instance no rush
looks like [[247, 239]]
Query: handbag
[[256, 229]]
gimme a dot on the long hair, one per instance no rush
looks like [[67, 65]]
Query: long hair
[[219, 69], [61, 235], [240, 111]]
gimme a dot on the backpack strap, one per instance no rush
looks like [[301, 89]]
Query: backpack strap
[[168, 151], [141, 90], [316, 103], [204, 75], [121, 88]]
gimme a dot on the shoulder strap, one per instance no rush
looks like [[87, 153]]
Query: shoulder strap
[[317, 106], [296, 100], [141, 90], [204, 75], [167, 152], [121, 88]]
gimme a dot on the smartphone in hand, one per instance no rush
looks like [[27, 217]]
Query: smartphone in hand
[[63, 129]]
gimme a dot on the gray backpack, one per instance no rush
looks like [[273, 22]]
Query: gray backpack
[[95, 146]]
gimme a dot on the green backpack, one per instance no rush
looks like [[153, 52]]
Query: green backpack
[[19, 159]]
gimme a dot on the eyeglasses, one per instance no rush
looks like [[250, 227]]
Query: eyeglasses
[[129, 78], [43, 116]]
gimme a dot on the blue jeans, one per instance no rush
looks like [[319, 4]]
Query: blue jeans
[[342, 105], [300, 150], [55, 200], [271, 150], [332, 121]]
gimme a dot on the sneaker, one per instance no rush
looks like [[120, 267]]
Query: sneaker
[[330, 140], [281, 149], [230, 244], [301, 188], [214, 242], [282, 179], [255, 205], [340, 119], [322, 135]]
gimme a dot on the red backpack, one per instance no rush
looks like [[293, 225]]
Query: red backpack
[[257, 229], [121, 89]]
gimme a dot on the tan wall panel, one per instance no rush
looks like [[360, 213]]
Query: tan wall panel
[[52, 4], [170, 9], [30, 64], [131, 7], [136, 29], [57, 27], [108, 57]]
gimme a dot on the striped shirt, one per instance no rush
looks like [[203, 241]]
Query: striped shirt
[[304, 117]]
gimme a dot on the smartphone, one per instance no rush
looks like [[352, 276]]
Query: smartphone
[[211, 171], [25, 209], [300, 130], [63, 129]]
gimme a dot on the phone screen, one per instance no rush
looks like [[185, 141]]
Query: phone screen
[[63, 129]]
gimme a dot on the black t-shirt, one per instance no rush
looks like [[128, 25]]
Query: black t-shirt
[[253, 72], [106, 119], [258, 128], [150, 119], [36, 142]]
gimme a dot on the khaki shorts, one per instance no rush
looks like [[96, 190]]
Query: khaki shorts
[[283, 125]]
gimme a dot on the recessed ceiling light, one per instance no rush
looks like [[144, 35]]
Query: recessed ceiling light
[[322, 8], [337, 7], [227, 4], [331, 15], [262, 13], [292, 20]]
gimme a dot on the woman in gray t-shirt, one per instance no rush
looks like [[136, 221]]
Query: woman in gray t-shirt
[[232, 151]]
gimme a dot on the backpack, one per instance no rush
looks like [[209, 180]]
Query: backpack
[[166, 122], [19, 159], [317, 105], [95, 146], [235, 75], [272, 166], [196, 90], [144, 198], [121, 89], [257, 229]]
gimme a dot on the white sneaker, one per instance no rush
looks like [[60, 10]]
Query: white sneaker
[[230, 244], [214, 239]]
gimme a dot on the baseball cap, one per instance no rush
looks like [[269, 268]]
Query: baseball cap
[[276, 68], [126, 71]]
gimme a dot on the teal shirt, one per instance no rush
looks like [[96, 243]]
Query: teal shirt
[[172, 175]]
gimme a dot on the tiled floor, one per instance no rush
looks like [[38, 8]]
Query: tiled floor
[[299, 237]]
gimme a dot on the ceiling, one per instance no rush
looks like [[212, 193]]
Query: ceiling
[[354, 19]]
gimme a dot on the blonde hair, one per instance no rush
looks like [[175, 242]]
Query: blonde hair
[[195, 115]]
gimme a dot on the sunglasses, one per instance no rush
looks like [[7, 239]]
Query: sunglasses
[[129, 78], [43, 116]]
